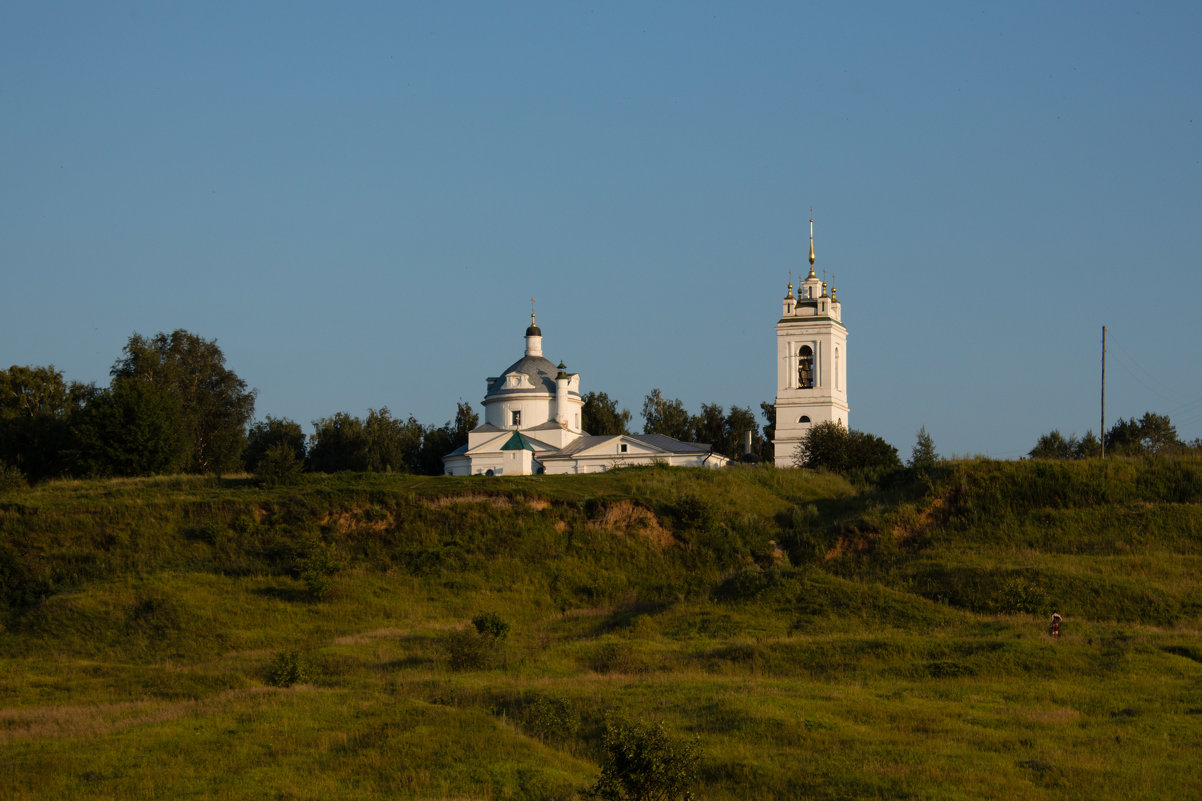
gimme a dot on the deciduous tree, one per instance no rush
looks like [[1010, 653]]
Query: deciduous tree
[[35, 410], [642, 762], [131, 428], [832, 446], [393, 445], [740, 420], [601, 416], [438, 442], [266, 434], [669, 417], [768, 410], [338, 443], [379, 444], [212, 402], [710, 427], [465, 420], [1053, 445], [1151, 434]]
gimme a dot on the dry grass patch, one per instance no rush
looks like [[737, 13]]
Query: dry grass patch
[[634, 520], [90, 721], [362, 638], [443, 501], [1053, 715], [359, 519]]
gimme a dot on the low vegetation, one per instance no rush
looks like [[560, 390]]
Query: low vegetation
[[642, 633]]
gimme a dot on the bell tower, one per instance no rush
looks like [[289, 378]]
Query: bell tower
[[811, 362]]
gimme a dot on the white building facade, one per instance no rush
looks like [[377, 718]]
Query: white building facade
[[532, 425], [811, 363]]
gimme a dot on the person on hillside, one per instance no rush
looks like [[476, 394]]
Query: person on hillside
[[1054, 629]]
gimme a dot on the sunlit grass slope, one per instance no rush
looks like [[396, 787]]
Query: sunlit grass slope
[[819, 639]]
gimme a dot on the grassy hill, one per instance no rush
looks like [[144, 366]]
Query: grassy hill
[[817, 639]]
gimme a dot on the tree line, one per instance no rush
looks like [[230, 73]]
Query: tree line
[[714, 425], [1151, 435], [172, 406]]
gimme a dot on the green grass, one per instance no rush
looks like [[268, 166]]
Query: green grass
[[819, 639]]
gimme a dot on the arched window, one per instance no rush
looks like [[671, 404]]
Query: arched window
[[805, 418], [837, 381], [805, 368]]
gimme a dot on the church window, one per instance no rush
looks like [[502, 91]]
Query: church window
[[805, 367], [516, 418], [622, 447], [805, 418]]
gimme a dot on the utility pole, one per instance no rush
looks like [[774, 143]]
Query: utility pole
[[1102, 432]]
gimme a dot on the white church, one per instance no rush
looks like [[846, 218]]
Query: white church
[[532, 410], [532, 426]]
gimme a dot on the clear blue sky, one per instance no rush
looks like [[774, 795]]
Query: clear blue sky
[[356, 200]]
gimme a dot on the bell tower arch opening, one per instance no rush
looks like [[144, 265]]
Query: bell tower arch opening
[[805, 367]]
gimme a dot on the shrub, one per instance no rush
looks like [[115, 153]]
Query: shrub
[[617, 657], [799, 537], [642, 762], [155, 616], [748, 583], [551, 719], [1017, 595], [279, 466], [11, 478], [469, 649], [288, 668], [316, 569], [694, 512], [948, 669], [492, 625]]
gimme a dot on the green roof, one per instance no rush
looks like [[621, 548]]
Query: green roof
[[517, 443]]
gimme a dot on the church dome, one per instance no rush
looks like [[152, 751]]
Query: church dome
[[540, 371], [533, 331]]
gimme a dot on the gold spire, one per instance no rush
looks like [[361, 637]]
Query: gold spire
[[811, 275], [789, 294], [531, 312]]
